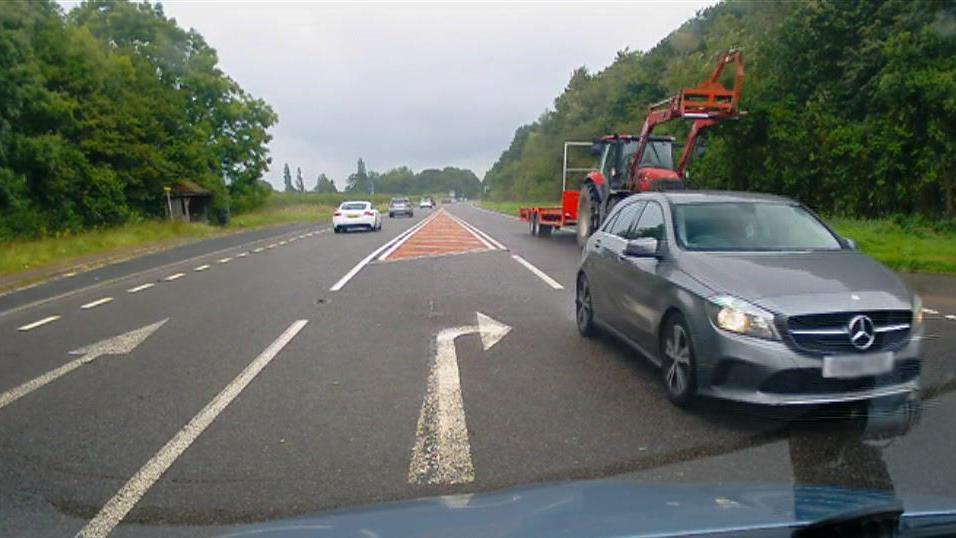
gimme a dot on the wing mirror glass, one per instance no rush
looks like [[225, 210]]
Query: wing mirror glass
[[644, 247], [850, 244]]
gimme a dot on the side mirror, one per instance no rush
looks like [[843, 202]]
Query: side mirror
[[644, 247], [850, 244]]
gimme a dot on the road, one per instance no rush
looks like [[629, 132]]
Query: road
[[302, 371]]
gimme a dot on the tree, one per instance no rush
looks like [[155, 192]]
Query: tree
[[359, 181], [299, 183], [324, 184], [287, 179]]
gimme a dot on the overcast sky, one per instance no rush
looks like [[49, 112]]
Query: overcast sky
[[425, 85]]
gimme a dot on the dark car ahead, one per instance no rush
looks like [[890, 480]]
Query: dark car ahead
[[750, 298], [400, 206]]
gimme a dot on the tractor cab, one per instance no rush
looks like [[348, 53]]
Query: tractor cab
[[656, 163]]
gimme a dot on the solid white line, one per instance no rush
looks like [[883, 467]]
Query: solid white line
[[141, 287], [540, 274], [475, 229], [174, 277], [365, 261], [481, 239], [225, 260], [96, 303], [202, 267], [38, 323], [126, 498], [498, 213], [388, 252]]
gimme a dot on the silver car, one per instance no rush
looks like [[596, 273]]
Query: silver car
[[750, 298]]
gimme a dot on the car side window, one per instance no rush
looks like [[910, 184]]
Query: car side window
[[625, 219], [651, 223]]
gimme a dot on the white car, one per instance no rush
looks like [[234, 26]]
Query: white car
[[426, 203], [358, 214]]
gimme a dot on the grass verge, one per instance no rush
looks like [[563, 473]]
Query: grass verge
[[901, 247]]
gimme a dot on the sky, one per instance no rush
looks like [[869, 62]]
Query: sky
[[425, 85]]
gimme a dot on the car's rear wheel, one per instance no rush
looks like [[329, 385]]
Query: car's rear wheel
[[678, 367], [584, 308]]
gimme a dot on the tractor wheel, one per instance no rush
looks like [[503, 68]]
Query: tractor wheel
[[589, 213]]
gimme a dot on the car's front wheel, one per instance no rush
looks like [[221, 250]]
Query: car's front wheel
[[584, 308], [678, 366]]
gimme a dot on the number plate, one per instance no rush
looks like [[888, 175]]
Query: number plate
[[841, 366]]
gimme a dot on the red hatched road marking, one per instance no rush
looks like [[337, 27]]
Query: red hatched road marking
[[439, 237]]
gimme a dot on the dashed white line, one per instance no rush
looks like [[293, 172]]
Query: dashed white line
[[141, 287], [38, 323], [282, 242], [242, 254], [225, 260], [202, 267], [538, 272], [96, 303], [126, 498], [172, 277], [273, 245], [930, 311], [257, 250], [950, 316]]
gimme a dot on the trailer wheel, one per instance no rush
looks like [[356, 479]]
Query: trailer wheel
[[533, 223], [544, 230], [589, 213]]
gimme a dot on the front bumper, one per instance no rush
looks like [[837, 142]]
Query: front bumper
[[763, 372]]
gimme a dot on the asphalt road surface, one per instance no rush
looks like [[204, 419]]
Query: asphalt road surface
[[300, 371]]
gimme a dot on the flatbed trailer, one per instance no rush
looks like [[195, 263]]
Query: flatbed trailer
[[543, 220]]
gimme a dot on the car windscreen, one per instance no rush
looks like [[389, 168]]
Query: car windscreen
[[354, 206], [750, 226]]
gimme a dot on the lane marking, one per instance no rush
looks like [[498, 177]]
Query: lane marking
[[442, 451], [282, 242], [117, 345], [257, 250], [38, 323], [273, 245], [123, 278], [141, 287], [388, 252], [365, 261], [126, 498], [225, 260], [202, 267], [477, 230], [480, 239], [242, 254], [505, 215], [538, 272], [96, 303], [930, 311], [170, 278], [950, 316]]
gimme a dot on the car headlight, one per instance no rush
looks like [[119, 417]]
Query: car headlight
[[917, 311], [738, 316]]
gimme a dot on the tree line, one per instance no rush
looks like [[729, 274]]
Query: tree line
[[104, 106], [400, 180], [851, 106]]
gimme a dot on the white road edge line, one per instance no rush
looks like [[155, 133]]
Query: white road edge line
[[38, 323], [202, 267], [126, 498], [174, 277], [500, 214], [141, 287], [476, 230], [395, 246], [96, 303], [540, 274]]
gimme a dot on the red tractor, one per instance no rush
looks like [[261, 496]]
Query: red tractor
[[631, 164]]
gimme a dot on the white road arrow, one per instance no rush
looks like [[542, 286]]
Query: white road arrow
[[117, 345], [442, 453]]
